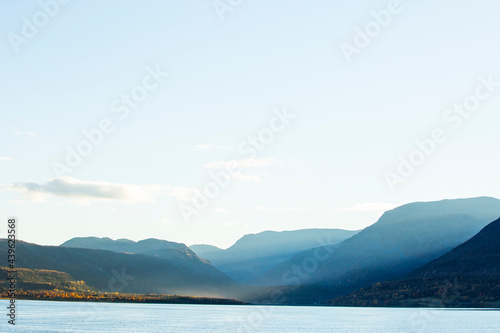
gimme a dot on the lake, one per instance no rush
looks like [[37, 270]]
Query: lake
[[47, 316]]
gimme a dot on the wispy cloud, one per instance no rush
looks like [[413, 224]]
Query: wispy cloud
[[367, 207], [164, 221], [71, 188], [242, 163], [220, 210], [245, 163], [16, 201], [209, 147], [5, 158], [20, 133], [282, 209], [360, 207], [184, 194], [244, 177]]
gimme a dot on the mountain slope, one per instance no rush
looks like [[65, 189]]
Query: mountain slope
[[40, 279], [468, 276], [403, 239], [125, 272], [254, 254]]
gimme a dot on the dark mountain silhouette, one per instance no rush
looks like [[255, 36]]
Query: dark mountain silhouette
[[468, 276], [127, 272], [255, 254], [403, 239]]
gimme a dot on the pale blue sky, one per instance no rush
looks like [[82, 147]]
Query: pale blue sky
[[325, 170]]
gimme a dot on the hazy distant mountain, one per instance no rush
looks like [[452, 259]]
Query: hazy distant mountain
[[254, 254], [468, 276], [403, 239], [205, 251], [126, 272]]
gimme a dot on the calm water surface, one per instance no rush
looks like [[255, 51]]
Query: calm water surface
[[46, 316]]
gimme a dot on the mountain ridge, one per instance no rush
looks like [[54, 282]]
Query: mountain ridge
[[113, 271], [254, 254], [467, 276], [398, 243]]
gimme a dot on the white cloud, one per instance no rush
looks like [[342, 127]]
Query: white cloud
[[360, 207], [20, 133], [209, 147], [243, 163], [239, 164], [5, 158], [164, 221], [367, 207], [83, 191], [16, 201], [243, 177], [220, 210], [184, 194], [282, 209]]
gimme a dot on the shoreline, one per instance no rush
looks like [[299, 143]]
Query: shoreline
[[221, 301], [136, 299]]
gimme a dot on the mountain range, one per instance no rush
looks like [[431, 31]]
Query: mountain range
[[467, 276], [255, 254], [162, 270], [175, 252], [402, 240], [403, 259]]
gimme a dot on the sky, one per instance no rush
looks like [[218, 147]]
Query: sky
[[201, 121]]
